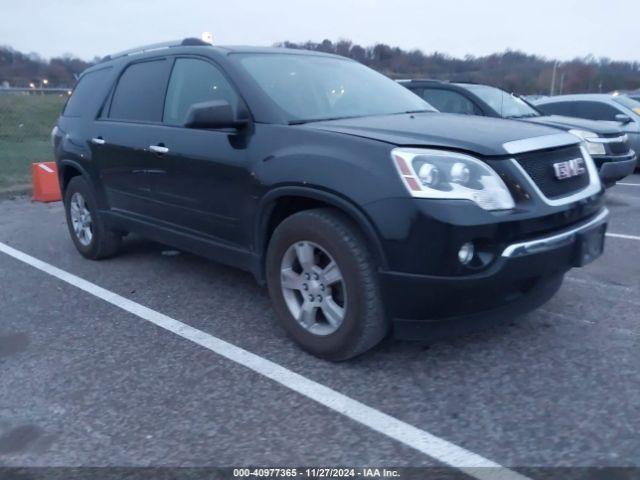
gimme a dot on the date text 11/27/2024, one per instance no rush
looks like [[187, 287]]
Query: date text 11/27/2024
[[316, 472]]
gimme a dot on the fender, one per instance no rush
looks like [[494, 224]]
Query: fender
[[268, 201], [98, 192], [65, 162]]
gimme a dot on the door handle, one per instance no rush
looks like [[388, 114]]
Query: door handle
[[98, 140], [158, 149]]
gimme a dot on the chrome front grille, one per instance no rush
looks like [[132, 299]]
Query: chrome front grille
[[539, 166]]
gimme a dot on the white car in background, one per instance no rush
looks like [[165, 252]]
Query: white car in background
[[621, 110]]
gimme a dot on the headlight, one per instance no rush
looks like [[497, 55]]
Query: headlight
[[450, 175], [593, 148]]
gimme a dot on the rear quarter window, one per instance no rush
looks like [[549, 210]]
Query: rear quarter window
[[88, 93]]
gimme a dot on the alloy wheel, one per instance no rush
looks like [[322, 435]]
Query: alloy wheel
[[313, 288], [81, 219]]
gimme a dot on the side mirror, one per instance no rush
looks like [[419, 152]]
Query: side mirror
[[623, 119], [213, 114]]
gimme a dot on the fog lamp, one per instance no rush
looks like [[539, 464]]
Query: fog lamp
[[466, 252]]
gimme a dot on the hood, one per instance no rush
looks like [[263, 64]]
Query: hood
[[480, 135], [567, 123]]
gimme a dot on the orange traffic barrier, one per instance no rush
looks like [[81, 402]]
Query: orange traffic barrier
[[45, 182]]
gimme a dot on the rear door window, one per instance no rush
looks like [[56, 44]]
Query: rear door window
[[88, 94], [195, 81], [139, 95]]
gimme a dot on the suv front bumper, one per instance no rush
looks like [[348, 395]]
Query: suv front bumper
[[613, 169], [523, 277]]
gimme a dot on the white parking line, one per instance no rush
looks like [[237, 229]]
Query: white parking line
[[628, 184], [620, 235], [446, 452]]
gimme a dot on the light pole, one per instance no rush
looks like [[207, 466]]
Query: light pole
[[553, 79]]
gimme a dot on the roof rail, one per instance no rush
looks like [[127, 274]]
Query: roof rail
[[156, 46]]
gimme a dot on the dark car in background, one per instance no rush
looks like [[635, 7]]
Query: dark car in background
[[607, 144], [619, 111], [362, 208]]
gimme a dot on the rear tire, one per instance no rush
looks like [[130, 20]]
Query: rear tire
[[333, 313], [86, 226]]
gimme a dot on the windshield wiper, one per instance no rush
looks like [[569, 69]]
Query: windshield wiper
[[328, 119], [415, 111], [325, 119], [526, 115]]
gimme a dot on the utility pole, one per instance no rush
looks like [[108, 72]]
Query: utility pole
[[553, 79], [561, 83]]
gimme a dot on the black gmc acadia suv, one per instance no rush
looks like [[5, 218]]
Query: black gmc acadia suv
[[608, 145], [362, 208]]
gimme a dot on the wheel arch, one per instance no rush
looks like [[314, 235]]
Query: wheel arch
[[282, 202], [67, 169]]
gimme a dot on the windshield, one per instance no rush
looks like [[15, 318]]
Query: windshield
[[507, 105], [628, 102], [311, 88]]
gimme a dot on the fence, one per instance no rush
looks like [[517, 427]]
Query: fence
[[26, 119]]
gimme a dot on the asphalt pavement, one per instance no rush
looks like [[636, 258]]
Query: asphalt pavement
[[84, 382]]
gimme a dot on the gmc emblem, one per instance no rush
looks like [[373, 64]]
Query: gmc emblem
[[569, 169]]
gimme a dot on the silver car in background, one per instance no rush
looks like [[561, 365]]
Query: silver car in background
[[622, 110]]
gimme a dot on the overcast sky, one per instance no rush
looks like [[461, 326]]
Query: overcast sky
[[554, 28]]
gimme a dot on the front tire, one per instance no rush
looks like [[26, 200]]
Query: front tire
[[323, 284], [86, 226]]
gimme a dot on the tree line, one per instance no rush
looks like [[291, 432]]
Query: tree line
[[19, 69], [512, 70]]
